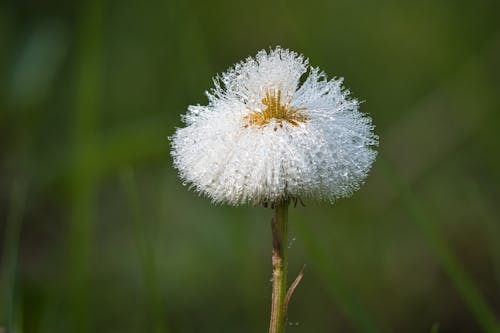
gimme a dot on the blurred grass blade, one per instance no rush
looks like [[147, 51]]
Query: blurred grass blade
[[337, 287], [435, 328], [155, 310], [84, 175], [10, 255], [452, 266]]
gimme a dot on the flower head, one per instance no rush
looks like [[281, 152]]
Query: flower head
[[265, 136]]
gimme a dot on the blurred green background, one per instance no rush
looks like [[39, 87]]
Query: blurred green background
[[99, 235]]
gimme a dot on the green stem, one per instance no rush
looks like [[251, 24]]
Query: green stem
[[279, 259]]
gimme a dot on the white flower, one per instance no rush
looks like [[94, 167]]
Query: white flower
[[265, 136]]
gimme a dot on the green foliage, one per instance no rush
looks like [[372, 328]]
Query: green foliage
[[89, 89]]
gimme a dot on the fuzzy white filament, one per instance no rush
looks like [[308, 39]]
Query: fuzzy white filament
[[265, 136]]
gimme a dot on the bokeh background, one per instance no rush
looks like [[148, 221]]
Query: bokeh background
[[99, 235]]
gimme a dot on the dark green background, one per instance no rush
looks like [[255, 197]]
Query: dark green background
[[99, 235]]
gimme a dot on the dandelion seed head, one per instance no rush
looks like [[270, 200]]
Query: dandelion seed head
[[265, 136]]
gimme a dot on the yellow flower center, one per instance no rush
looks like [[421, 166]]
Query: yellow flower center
[[275, 109]]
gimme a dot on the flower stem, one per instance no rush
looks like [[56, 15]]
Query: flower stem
[[279, 259]]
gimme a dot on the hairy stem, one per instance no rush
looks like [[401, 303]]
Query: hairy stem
[[279, 259]]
